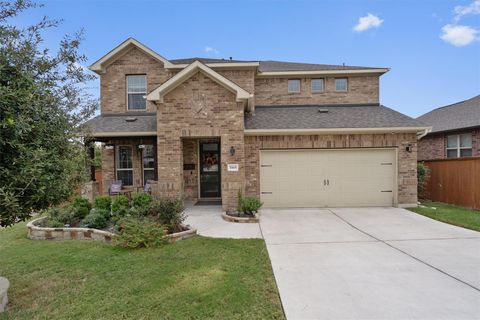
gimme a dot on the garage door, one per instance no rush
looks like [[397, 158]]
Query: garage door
[[327, 178]]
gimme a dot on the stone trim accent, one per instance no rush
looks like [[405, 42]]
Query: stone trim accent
[[4, 285], [40, 233], [36, 232], [228, 218]]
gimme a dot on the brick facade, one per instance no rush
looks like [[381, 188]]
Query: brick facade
[[407, 161], [274, 91], [433, 146]]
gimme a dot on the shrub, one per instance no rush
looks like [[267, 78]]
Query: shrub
[[168, 212], [80, 212], [59, 217], [239, 201], [103, 202], [423, 174], [103, 212], [250, 205], [95, 220], [120, 204], [81, 202], [139, 233], [141, 200]]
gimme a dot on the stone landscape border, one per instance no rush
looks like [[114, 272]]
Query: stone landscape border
[[4, 285], [254, 219], [36, 232]]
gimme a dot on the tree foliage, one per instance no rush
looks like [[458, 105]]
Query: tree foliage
[[43, 102]]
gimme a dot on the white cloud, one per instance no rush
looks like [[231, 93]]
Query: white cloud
[[211, 50], [367, 22], [472, 8], [457, 35]]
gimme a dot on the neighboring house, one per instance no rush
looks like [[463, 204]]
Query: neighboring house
[[455, 131], [294, 134]]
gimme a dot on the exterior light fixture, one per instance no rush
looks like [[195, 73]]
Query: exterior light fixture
[[109, 146], [232, 151], [409, 147]]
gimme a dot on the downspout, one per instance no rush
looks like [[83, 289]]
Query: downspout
[[424, 133]]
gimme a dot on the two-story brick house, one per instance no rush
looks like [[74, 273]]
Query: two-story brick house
[[294, 134]]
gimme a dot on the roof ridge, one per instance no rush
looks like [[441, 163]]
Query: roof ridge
[[453, 104]]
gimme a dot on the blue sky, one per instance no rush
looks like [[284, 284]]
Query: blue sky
[[432, 47]]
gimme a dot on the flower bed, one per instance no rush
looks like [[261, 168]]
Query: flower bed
[[231, 217], [36, 232]]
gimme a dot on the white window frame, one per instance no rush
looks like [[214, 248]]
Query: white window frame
[[346, 84], [299, 85], [136, 93], [143, 164], [117, 162], [317, 79], [458, 148]]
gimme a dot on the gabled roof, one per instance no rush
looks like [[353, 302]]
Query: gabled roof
[[192, 69], [331, 118], [461, 115], [99, 65]]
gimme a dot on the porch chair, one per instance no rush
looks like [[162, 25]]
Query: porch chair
[[147, 188], [115, 187]]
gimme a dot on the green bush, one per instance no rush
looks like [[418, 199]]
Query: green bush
[[141, 200], [139, 233], [120, 205], [423, 175], [80, 212], [95, 220], [168, 212], [81, 202], [250, 205], [103, 212], [59, 217], [103, 202]]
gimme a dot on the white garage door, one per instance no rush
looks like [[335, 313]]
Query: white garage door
[[327, 178]]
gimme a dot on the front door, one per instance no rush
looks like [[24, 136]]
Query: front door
[[210, 170]]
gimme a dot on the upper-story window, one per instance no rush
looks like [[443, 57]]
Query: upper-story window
[[293, 85], [317, 85], [136, 92], [341, 84], [459, 145]]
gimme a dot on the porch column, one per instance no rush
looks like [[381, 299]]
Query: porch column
[[170, 165]]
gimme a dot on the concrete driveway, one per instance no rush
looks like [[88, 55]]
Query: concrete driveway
[[372, 263]]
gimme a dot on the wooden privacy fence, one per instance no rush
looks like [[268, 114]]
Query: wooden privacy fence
[[454, 181]]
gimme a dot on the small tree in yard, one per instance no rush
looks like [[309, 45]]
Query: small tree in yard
[[423, 174], [43, 102]]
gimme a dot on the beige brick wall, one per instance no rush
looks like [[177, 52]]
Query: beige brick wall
[[190, 177], [274, 91], [200, 108], [113, 92], [407, 161]]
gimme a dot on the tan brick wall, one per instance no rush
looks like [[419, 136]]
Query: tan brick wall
[[113, 92], [190, 177], [407, 161], [200, 108], [433, 146], [274, 91]]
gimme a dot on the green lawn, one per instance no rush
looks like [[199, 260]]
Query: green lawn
[[448, 213], [198, 278]]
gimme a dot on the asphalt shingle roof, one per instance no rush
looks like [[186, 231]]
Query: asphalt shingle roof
[[338, 116], [272, 66], [459, 115], [145, 122]]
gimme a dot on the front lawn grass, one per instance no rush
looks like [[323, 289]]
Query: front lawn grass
[[448, 213], [198, 278]]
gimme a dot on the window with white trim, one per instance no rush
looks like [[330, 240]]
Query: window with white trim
[[293, 85], [459, 145], [317, 85], [341, 84], [136, 92], [148, 155], [124, 164]]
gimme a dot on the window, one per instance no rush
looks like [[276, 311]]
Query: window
[[317, 85], [293, 85], [148, 155], [459, 145], [136, 91], [341, 85], [125, 165]]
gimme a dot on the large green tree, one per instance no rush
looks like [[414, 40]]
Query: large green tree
[[43, 102]]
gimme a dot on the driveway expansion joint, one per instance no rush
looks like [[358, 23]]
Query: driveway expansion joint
[[406, 253]]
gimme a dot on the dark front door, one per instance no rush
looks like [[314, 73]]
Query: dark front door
[[210, 170]]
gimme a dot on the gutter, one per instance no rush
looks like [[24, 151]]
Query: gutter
[[276, 132]]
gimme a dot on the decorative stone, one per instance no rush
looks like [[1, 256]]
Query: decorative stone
[[229, 218], [4, 285]]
